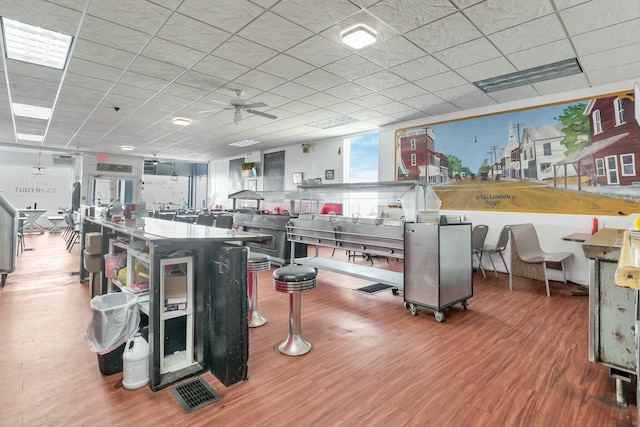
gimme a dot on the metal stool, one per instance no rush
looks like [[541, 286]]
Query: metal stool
[[294, 279], [255, 263]]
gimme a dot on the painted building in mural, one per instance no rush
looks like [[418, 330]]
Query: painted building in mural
[[613, 155], [419, 160], [541, 149], [510, 155]]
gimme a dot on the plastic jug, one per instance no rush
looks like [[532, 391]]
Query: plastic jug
[[135, 363]]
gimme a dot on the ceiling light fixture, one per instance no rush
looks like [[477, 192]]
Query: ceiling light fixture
[[32, 111], [531, 75], [359, 36], [29, 137], [174, 176], [24, 42], [181, 121], [127, 147], [245, 143]]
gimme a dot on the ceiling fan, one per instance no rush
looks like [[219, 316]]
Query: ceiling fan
[[238, 105]]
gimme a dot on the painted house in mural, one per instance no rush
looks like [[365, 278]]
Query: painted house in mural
[[612, 158], [418, 159], [510, 156], [541, 149]]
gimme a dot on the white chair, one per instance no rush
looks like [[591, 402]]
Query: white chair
[[528, 259]]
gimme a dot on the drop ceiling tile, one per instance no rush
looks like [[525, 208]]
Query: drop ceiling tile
[[141, 16], [316, 15], [153, 68], [484, 70], [200, 36], [564, 4], [423, 101], [120, 37], [602, 39], [74, 80], [244, 52], [344, 107], [542, 55], [472, 52], [395, 51], [95, 52], [273, 100], [348, 91], [320, 114], [405, 15], [441, 81], [298, 107], [229, 15], [392, 108], [444, 33], [47, 15], [91, 69], [610, 58], [599, 14], [373, 100], [380, 81], [529, 34], [203, 82], [286, 67], [293, 91], [259, 80], [466, 97], [321, 99], [403, 91], [366, 114], [220, 67], [352, 67], [442, 108], [320, 80], [621, 73], [561, 84], [492, 16], [463, 4], [137, 80], [419, 68], [261, 30], [318, 51], [166, 51]]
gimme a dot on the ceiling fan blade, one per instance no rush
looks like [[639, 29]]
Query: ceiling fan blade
[[215, 109], [255, 105], [260, 113]]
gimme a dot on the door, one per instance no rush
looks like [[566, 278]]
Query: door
[[611, 164]]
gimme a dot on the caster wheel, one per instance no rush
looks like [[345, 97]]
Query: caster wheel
[[413, 309], [394, 291], [4, 279], [464, 304], [439, 316]]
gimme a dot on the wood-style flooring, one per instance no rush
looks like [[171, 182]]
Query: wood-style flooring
[[514, 358]]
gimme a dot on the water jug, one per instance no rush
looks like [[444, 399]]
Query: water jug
[[135, 363]]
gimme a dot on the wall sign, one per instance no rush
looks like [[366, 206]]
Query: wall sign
[[108, 167]]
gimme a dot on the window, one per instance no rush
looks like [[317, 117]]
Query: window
[[413, 144], [545, 166], [628, 165], [524, 155], [531, 152], [547, 148], [597, 124], [413, 160], [619, 110], [600, 167]]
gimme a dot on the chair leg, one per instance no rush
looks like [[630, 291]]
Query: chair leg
[[479, 256], [546, 280], [510, 281], [503, 261], [564, 272], [492, 265]]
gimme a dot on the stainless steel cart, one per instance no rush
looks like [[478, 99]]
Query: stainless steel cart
[[8, 238], [437, 266]]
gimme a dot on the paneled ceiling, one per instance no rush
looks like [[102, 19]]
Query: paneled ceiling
[[155, 60]]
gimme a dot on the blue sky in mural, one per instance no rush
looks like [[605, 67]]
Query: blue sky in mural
[[363, 162], [458, 137]]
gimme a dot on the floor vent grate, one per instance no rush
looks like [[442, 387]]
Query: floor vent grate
[[194, 394]]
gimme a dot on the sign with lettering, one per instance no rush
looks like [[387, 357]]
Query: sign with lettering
[[108, 167]]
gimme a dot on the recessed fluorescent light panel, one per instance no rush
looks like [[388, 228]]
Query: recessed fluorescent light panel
[[532, 75], [333, 122], [24, 42], [29, 137], [359, 36], [33, 111], [127, 147], [245, 143]]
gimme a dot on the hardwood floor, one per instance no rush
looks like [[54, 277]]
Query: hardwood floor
[[514, 358]]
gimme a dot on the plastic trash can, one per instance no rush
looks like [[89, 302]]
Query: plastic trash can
[[115, 318]]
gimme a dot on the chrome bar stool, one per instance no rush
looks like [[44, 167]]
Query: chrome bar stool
[[294, 279], [255, 263]]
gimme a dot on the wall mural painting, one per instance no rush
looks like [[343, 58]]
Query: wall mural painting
[[581, 157]]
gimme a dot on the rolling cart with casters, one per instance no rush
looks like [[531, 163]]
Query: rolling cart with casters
[[438, 269]]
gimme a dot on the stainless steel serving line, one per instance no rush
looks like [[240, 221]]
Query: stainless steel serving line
[[413, 209]]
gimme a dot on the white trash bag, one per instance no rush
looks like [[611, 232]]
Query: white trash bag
[[115, 317]]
